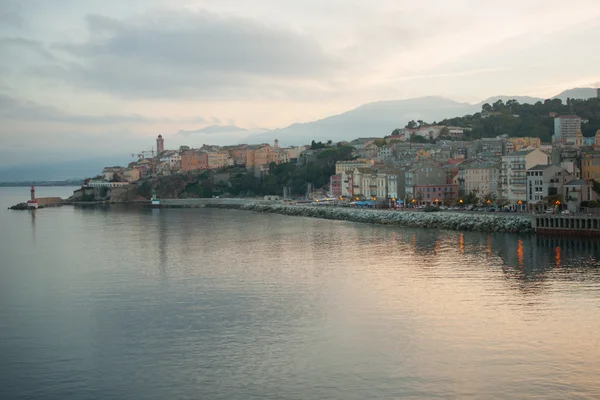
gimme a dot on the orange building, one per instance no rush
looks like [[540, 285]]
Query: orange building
[[590, 166], [260, 155], [193, 160]]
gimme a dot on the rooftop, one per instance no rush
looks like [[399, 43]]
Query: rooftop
[[540, 167]]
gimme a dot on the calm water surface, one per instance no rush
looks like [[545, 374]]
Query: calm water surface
[[99, 303]]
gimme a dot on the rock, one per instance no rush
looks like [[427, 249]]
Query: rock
[[441, 220]]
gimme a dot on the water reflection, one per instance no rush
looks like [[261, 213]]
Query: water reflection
[[238, 305]]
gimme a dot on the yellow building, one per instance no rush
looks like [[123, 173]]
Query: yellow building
[[590, 166], [217, 159], [132, 175], [351, 165], [523, 142]]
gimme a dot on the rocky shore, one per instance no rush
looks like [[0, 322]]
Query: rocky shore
[[438, 220]]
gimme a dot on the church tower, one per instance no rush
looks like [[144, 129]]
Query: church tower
[[579, 139]]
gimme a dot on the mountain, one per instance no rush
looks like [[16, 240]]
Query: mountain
[[382, 117], [520, 99], [209, 130], [372, 119], [577, 93], [77, 169]]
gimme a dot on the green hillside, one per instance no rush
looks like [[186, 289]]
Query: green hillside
[[518, 120]]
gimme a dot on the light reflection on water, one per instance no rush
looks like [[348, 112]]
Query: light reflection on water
[[153, 304]]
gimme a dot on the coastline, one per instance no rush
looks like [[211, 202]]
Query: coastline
[[435, 220]]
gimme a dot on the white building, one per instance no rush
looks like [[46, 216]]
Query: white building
[[544, 181], [566, 128], [482, 178], [384, 153], [514, 174]]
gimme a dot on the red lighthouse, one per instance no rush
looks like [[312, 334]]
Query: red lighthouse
[[33, 203]]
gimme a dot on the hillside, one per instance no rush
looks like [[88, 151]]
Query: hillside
[[373, 119], [517, 120], [382, 117]]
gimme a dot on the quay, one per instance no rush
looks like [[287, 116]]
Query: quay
[[566, 225]]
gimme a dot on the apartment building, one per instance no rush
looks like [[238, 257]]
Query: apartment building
[[543, 183], [513, 174]]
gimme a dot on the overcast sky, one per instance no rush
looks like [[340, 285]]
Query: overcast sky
[[96, 76]]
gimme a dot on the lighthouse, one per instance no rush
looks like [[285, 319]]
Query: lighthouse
[[33, 203]]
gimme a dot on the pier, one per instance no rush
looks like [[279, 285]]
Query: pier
[[567, 225]]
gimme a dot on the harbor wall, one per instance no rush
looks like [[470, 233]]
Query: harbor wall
[[437, 220]]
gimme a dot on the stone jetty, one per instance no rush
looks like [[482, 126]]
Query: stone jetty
[[458, 221]]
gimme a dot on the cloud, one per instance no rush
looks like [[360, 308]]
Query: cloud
[[10, 13], [210, 130], [16, 109], [192, 54]]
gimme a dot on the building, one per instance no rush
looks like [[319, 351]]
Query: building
[[521, 143], [163, 168], [423, 175], [348, 184], [435, 194], [350, 165], [335, 185], [566, 128], [259, 157], [160, 144], [480, 178], [173, 159], [590, 166], [131, 175], [495, 146], [238, 154], [576, 192], [544, 185], [385, 153], [109, 172], [513, 174], [193, 160], [218, 159]]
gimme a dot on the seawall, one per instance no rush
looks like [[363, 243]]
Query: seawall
[[438, 220]]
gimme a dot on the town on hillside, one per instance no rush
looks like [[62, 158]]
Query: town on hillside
[[420, 165]]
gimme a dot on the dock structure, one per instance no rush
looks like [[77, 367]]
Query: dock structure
[[567, 225]]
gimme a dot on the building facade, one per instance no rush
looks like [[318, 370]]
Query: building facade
[[424, 174], [514, 174], [590, 166], [566, 128], [544, 185], [335, 185], [482, 179], [160, 144], [435, 194], [350, 165]]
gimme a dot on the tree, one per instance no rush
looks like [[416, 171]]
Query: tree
[[596, 186], [411, 124], [420, 122], [486, 108], [184, 148]]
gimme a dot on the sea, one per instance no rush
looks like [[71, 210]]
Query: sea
[[118, 302]]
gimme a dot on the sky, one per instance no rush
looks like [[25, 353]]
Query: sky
[[91, 77]]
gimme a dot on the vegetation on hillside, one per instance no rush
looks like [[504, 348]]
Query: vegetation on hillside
[[519, 120], [535, 120], [236, 181]]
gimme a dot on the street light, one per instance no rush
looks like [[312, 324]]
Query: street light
[[489, 202]]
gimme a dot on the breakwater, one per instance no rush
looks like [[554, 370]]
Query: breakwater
[[438, 220]]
